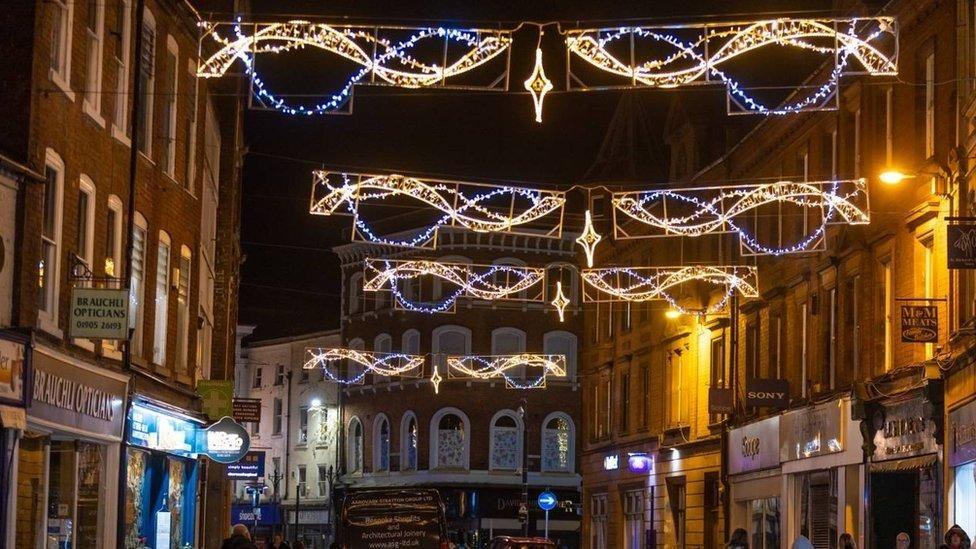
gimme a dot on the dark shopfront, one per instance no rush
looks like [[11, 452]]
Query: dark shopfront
[[905, 473], [480, 514]]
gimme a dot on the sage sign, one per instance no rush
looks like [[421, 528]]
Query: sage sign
[[226, 441], [99, 313]]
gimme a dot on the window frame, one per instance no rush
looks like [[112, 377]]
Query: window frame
[[183, 363], [120, 118], [571, 456], [144, 143], [171, 106], [87, 241], [520, 433], [61, 40], [405, 442], [435, 428], [137, 296], [161, 285], [47, 316], [378, 444], [95, 50]]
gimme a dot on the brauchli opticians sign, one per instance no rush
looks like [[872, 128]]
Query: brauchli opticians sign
[[73, 397], [99, 313]]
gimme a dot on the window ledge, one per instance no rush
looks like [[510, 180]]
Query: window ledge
[[49, 326], [120, 136], [145, 156], [85, 344], [93, 113], [108, 352], [60, 82]]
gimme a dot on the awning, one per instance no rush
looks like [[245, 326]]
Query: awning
[[906, 464]]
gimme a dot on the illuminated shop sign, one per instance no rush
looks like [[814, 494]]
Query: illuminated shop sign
[[225, 441], [639, 462], [611, 463]]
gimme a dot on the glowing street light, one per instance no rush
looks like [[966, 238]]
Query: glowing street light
[[672, 314], [894, 177]]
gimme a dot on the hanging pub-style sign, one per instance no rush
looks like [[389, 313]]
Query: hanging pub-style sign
[[919, 323], [961, 245]]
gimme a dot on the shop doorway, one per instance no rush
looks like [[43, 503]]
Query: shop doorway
[[894, 498]]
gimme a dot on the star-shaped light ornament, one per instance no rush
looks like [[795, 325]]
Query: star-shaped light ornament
[[560, 302], [538, 85], [436, 379], [588, 239]]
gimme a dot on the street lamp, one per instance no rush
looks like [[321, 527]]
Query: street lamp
[[672, 314], [894, 177]]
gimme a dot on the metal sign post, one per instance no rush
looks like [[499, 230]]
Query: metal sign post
[[547, 502]]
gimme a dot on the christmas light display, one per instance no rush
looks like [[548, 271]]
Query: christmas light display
[[663, 283], [588, 239], [538, 85], [508, 367], [485, 282], [694, 54], [706, 210], [384, 60], [383, 364], [473, 206], [560, 301]]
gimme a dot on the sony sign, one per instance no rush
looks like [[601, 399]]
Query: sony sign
[[767, 393]]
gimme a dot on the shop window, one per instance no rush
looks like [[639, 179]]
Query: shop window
[[677, 493], [147, 83], [506, 442], [381, 443], [135, 510], [598, 521], [177, 496], [276, 418], [634, 519], [449, 439], [764, 523], [137, 286], [409, 442], [964, 492], [558, 443], [48, 269], [90, 480], [160, 322], [354, 458], [818, 507]]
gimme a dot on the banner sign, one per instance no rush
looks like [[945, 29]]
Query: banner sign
[[904, 429], [226, 441], [719, 400], [99, 313], [216, 395], [393, 518], [962, 435], [78, 398], [250, 466], [961, 242], [754, 446], [247, 410], [767, 393], [919, 324]]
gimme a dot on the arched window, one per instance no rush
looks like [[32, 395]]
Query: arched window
[[438, 285], [381, 443], [501, 278], [509, 341], [568, 275], [409, 442], [354, 450], [559, 342], [505, 445], [383, 343], [450, 439], [449, 340], [558, 443], [410, 342], [380, 300], [353, 369], [355, 293]]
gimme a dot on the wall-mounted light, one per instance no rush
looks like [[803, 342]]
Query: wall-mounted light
[[894, 177]]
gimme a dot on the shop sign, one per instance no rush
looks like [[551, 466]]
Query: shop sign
[[755, 446], [156, 430], [262, 514], [77, 398], [961, 242], [719, 400], [611, 463], [99, 313], [640, 463], [767, 393], [247, 410], [813, 431], [962, 433], [903, 430], [919, 323], [249, 466], [393, 518], [309, 516], [216, 395], [226, 441], [14, 361]]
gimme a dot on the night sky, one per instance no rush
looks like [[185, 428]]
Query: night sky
[[290, 281]]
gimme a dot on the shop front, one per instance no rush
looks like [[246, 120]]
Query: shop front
[[755, 483], [821, 459], [67, 462], [313, 525], [262, 519], [161, 476], [15, 353], [905, 473], [961, 457]]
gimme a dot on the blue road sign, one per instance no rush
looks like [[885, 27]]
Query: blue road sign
[[547, 501]]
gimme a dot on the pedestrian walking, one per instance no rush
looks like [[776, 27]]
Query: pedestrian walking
[[240, 538], [903, 541], [955, 538], [802, 541], [739, 539], [278, 542], [846, 541]]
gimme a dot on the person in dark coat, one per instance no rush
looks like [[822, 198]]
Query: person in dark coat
[[955, 538], [739, 539], [278, 542], [240, 538], [846, 541]]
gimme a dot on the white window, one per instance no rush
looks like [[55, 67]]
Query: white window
[[562, 343], [323, 481], [930, 105], [511, 341], [303, 425], [276, 417], [183, 312], [449, 340], [558, 443], [598, 521], [169, 106], [279, 374], [302, 481], [62, 14], [505, 444], [94, 31], [449, 439], [634, 519], [381, 443], [354, 452], [160, 327], [355, 293], [147, 85], [411, 342], [113, 238], [190, 139], [409, 442], [85, 233], [257, 378], [122, 54], [137, 286], [49, 267]]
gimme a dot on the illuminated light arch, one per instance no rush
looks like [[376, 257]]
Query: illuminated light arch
[[509, 368], [383, 364]]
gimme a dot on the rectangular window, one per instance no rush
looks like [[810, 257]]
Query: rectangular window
[[303, 425], [146, 86], [857, 143], [84, 244], [49, 265], [851, 329], [607, 398], [886, 298], [889, 125], [626, 320], [255, 428], [598, 521], [169, 107], [190, 139], [930, 105], [828, 339], [113, 240], [625, 402], [136, 286], [675, 387], [717, 369], [257, 378], [183, 313], [160, 327], [123, 36], [634, 519], [276, 418], [323, 481], [610, 320], [94, 28], [928, 281], [302, 479], [279, 375], [595, 417], [677, 492], [61, 15], [775, 366]]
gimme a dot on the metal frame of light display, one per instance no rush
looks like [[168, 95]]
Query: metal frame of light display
[[383, 364], [507, 367]]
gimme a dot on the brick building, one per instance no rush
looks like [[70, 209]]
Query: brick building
[[465, 439], [71, 69], [863, 430]]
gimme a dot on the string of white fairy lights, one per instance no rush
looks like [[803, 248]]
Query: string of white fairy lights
[[697, 51], [512, 368]]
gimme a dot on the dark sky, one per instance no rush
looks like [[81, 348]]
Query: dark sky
[[290, 277]]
